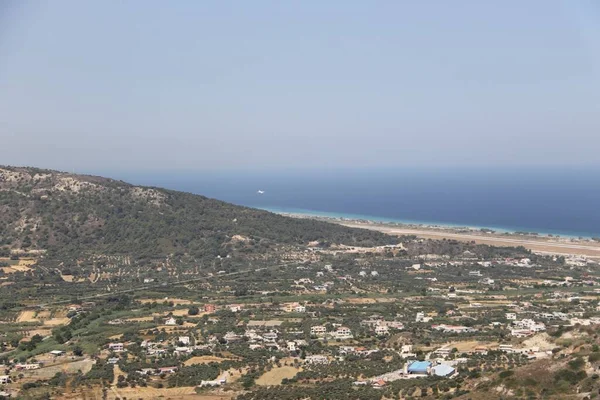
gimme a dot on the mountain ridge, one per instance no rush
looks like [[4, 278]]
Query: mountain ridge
[[58, 212]]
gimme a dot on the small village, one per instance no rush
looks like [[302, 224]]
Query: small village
[[379, 321]]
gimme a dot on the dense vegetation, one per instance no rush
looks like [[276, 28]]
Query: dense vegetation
[[66, 214]]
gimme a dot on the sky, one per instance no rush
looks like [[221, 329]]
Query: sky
[[220, 85]]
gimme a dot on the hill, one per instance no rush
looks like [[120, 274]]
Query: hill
[[62, 213]]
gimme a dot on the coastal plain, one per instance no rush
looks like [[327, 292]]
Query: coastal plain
[[539, 243]]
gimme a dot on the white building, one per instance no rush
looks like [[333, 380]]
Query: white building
[[507, 348], [316, 359], [521, 333], [235, 307], [116, 347], [343, 333], [394, 324], [183, 350], [216, 382], [381, 330], [318, 330], [453, 328], [270, 336], [443, 351], [184, 339], [232, 337], [531, 325], [27, 366]]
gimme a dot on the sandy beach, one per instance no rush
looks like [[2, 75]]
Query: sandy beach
[[559, 245], [541, 244]]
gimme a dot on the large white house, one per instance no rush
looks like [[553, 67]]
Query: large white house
[[452, 328], [185, 340], [381, 330], [343, 333], [316, 359], [531, 325], [116, 347], [511, 316], [318, 330]]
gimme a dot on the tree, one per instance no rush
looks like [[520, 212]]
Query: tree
[[59, 339], [193, 310], [78, 351]]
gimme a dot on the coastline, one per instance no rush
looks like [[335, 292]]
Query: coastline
[[426, 224], [547, 243]]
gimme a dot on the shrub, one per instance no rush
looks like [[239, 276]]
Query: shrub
[[594, 357], [506, 374]]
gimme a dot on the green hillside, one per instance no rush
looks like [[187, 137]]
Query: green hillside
[[64, 214]]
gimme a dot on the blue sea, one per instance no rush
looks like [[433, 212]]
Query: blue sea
[[543, 200]]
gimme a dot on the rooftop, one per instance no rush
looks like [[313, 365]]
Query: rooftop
[[443, 370], [419, 366]]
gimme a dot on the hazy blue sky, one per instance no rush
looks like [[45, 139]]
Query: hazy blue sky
[[258, 84]]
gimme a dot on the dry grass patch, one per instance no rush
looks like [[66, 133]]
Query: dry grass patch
[[147, 393], [359, 300], [184, 312], [41, 332], [27, 316], [176, 302], [270, 323], [71, 368], [541, 340], [141, 319], [21, 265], [204, 360], [57, 321], [276, 375], [468, 346]]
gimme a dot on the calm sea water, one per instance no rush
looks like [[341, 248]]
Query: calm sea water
[[557, 201]]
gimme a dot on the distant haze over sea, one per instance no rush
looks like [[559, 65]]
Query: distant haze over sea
[[550, 200]]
